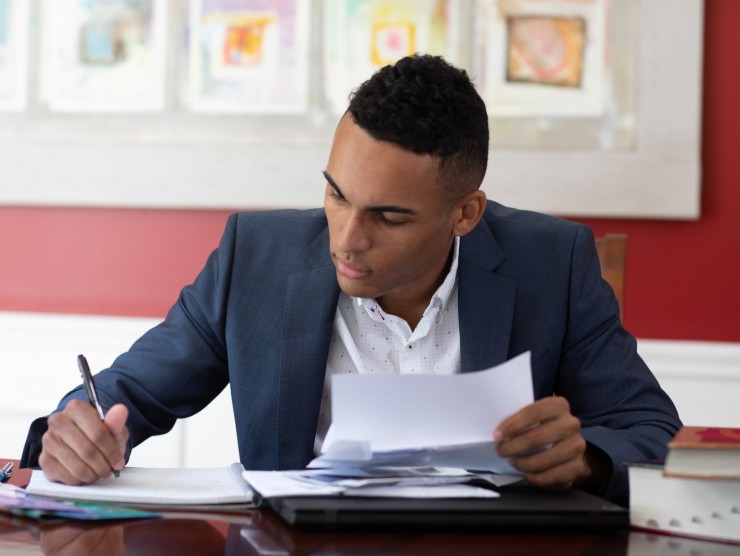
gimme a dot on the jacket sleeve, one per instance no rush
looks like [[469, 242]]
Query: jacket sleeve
[[172, 371], [622, 408]]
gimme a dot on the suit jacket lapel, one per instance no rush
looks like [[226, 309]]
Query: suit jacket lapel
[[485, 301], [310, 306]]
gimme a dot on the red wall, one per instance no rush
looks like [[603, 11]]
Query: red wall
[[682, 280]]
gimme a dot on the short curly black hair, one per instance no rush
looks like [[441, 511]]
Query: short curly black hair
[[427, 106]]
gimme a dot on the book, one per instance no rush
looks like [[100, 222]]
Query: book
[[158, 487], [684, 506], [710, 452]]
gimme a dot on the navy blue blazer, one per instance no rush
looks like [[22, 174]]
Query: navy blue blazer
[[260, 315]]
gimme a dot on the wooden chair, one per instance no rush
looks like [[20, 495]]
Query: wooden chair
[[612, 250]]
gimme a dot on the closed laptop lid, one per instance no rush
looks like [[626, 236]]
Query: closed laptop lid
[[523, 506]]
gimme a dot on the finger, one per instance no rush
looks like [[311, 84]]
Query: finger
[[78, 440], [58, 458], [115, 420], [99, 446], [531, 415], [560, 476], [538, 436], [570, 449], [116, 417], [61, 465], [557, 467]]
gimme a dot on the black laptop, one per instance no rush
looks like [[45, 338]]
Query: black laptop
[[518, 506]]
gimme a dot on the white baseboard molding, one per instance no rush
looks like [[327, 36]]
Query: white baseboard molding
[[685, 359], [39, 350]]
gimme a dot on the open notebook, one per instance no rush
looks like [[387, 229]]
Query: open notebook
[[176, 487]]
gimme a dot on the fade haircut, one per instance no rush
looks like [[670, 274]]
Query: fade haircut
[[427, 106]]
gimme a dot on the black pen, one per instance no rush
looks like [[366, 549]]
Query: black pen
[[92, 394]]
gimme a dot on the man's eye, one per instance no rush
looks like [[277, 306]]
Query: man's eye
[[336, 197], [386, 221]]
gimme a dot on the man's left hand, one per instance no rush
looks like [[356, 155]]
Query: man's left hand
[[544, 441]]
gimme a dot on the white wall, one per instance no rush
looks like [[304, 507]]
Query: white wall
[[38, 365]]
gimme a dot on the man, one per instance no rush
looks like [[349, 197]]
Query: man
[[406, 269]]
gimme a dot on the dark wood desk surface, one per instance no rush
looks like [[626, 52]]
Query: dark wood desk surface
[[262, 532]]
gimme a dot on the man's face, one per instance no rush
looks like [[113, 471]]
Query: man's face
[[390, 223]]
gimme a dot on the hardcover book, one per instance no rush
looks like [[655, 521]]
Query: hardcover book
[[691, 507], [704, 452]]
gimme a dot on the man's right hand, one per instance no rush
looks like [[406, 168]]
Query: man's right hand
[[78, 448]]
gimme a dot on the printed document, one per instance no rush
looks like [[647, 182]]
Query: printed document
[[418, 420]]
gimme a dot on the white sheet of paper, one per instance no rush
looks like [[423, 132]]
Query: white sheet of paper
[[444, 421]]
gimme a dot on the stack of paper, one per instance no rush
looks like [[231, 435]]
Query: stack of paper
[[425, 420], [411, 436], [407, 482]]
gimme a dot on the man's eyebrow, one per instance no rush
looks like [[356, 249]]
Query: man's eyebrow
[[333, 183], [379, 208]]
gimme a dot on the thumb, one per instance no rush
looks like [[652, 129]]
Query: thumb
[[116, 417]]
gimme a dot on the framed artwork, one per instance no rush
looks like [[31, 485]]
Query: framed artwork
[[364, 35], [104, 55], [545, 50], [595, 105], [14, 26], [544, 58], [248, 56]]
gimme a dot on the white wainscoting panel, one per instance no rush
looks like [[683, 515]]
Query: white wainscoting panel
[[38, 363], [702, 378]]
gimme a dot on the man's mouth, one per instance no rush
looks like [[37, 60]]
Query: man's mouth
[[349, 271]]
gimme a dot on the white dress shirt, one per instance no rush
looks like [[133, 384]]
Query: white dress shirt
[[367, 340]]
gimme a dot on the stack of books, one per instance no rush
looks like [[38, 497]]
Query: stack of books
[[696, 493]]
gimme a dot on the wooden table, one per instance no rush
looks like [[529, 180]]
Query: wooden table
[[262, 532]]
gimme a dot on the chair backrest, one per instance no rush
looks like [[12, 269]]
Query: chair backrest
[[612, 249]]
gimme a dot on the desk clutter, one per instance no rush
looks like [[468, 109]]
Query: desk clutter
[[17, 502], [697, 492]]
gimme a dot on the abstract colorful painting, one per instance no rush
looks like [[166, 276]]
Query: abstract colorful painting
[[545, 50], [364, 35], [543, 58], [104, 55], [248, 56]]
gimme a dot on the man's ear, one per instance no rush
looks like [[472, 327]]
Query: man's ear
[[469, 210]]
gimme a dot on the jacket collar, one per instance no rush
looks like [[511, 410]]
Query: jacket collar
[[485, 301]]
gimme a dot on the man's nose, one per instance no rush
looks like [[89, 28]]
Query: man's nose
[[354, 236]]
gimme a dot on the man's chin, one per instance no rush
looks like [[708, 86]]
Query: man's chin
[[355, 288]]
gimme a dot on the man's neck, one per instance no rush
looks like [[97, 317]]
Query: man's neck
[[411, 307]]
